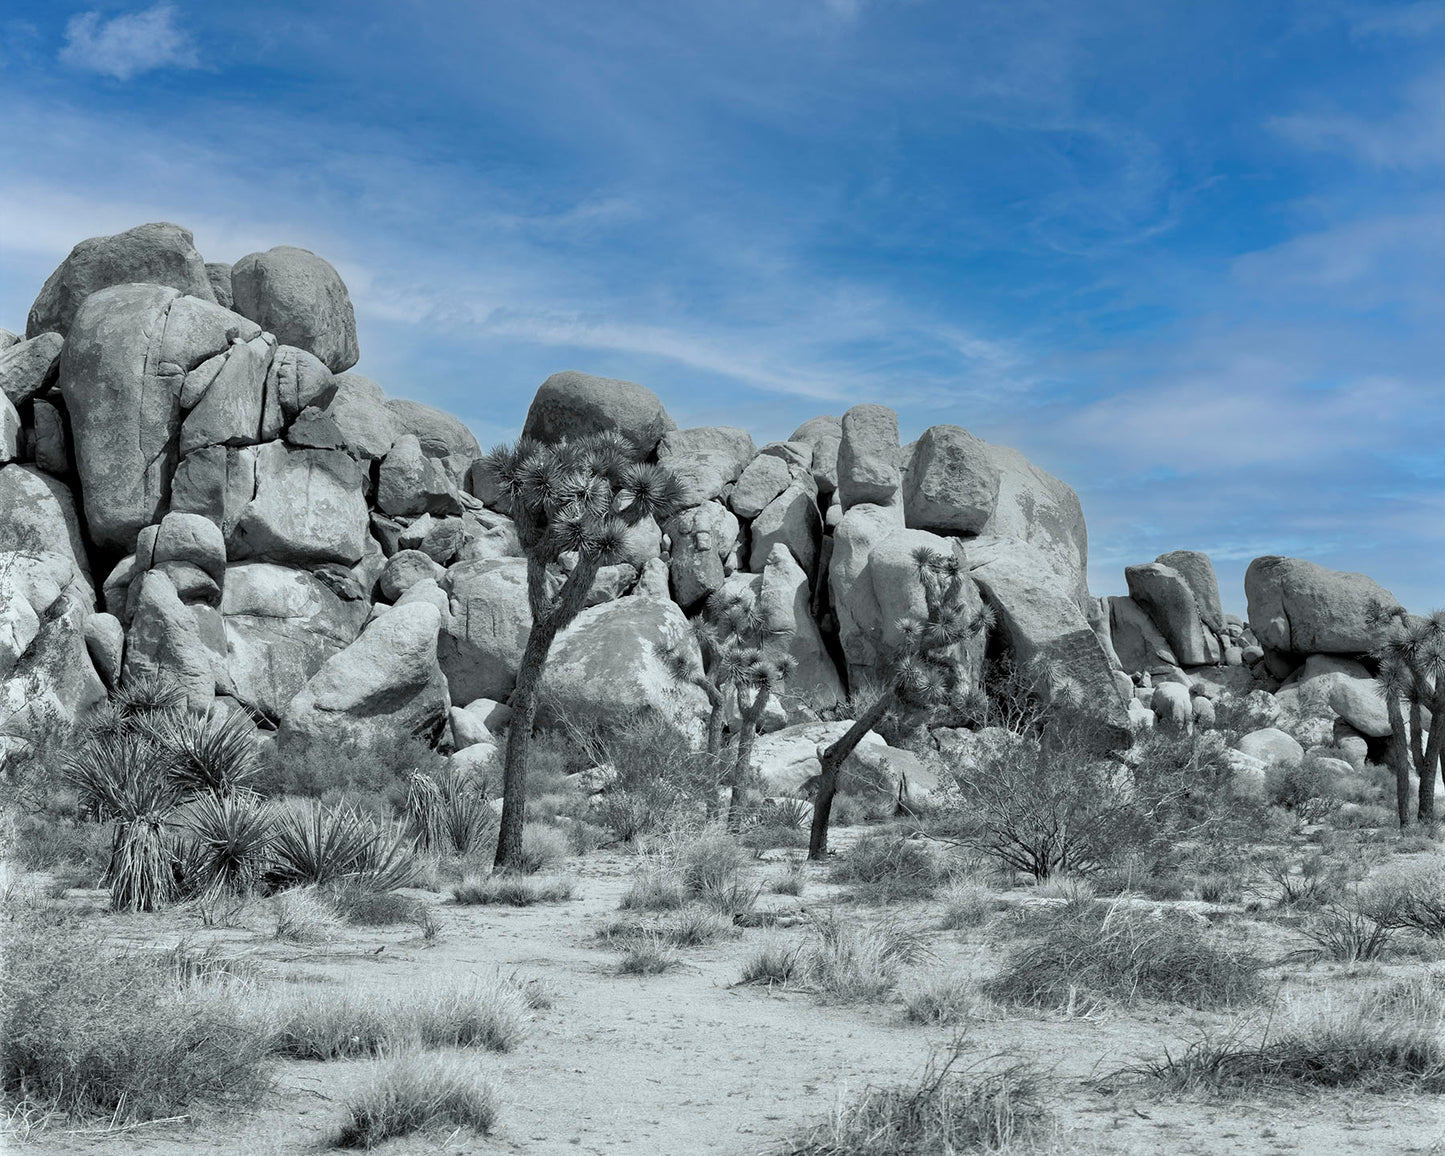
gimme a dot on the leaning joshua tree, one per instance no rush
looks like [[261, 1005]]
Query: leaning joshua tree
[[744, 662], [1412, 675], [572, 502], [925, 673]]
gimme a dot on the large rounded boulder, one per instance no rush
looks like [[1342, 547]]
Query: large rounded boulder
[[155, 254], [300, 298], [571, 405], [1299, 607]]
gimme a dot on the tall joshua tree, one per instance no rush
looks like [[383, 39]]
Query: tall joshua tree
[[744, 662], [578, 497], [1412, 677], [924, 673]]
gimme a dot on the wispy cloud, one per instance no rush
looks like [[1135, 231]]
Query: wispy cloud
[[128, 45]]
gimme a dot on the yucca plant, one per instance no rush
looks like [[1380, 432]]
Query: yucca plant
[[745, 662], [449, 811], [228, 841], [206, 755], [122, 779], [147, 696], [314, 845], [1412, 677], [575, 500], [925, 673]]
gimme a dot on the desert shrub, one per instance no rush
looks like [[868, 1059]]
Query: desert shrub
[[944, 1001], [362, 907], [1311, 787], [654, 888], [713, 869], [773, 963], [305, 915], [225, 843], [690, 926], [1044, 806], [647, 954], [846, 961], [792, 882], [324, 1023], [967, 902], [1359, 1049], [1109, 952], [512, 890], [1357, 928], [543, 848], [97, 1034], [890, 866], [46, 842], [315, 845], [659, 779], [1415, 896], [948, 1110], [350, 772], [414, 1093], [1313, 882]]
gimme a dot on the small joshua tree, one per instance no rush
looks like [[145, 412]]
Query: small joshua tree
[[924, 674], [578, 497], [1412, 676], [744, 662]]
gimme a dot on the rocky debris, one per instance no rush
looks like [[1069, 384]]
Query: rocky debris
[[950, 485], [705, 460], [30, 367], [300, 298], [156, 254], [572, 404]]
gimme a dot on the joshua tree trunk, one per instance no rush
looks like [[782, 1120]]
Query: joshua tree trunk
[[742, 768], [545, 628], [832, 761], [1400, 756], [1430, 765]]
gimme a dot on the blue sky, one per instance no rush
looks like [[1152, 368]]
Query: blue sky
[[1189, 257]]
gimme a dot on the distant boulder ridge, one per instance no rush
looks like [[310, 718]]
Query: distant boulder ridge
[[194, 482]]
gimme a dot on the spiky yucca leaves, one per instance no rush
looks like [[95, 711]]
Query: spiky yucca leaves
[[925, 673], [744, 663], [228, 840], [1412, 677], [206, 755], [313, 845], [573, 501], [449, 812]]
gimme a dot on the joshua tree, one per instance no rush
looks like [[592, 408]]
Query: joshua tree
[[1412, 674], [576, 498], [745, 662], [924, 674]]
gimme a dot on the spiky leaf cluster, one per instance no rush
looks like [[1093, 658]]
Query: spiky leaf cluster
[[740, 650], [927, 666], [580, 495], [1412, 656]]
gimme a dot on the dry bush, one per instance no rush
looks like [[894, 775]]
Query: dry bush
[[1108, 952], [543, 848], [305, 915], [100, 1035], [950, 1109], [648, 954], [793, 881], [412, 1093], [842, 961], [967, 902], [1415, 895], [889, 866], [512, 890], [655, 887], [943, 1001], [327, 1023]]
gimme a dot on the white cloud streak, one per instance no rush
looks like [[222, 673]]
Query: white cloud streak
[[126, 46]]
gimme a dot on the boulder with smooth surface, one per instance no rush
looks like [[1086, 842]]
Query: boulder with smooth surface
[[1299, 607], [300, 298], [572, 405]]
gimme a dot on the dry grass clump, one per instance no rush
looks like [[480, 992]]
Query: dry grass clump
[[841, 961], [654, 888], [305, 915], [1388, 1043], [794, 880], [890, 867], [362, 907], [949, 1110], [1415, 896], [967, 902], [945, 1000], [331, 1023], [1112, 953], [543, 848], [101, 1035], [690, 926], [648, 954], [508, 890], [411, 1093]]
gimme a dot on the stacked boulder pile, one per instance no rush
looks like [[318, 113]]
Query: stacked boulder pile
[[194, 481]]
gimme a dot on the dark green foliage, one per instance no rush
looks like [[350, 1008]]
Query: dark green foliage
[[100, 1036], [1106, 951], [374, 775]]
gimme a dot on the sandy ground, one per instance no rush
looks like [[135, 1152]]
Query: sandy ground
[[687, 1063]]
